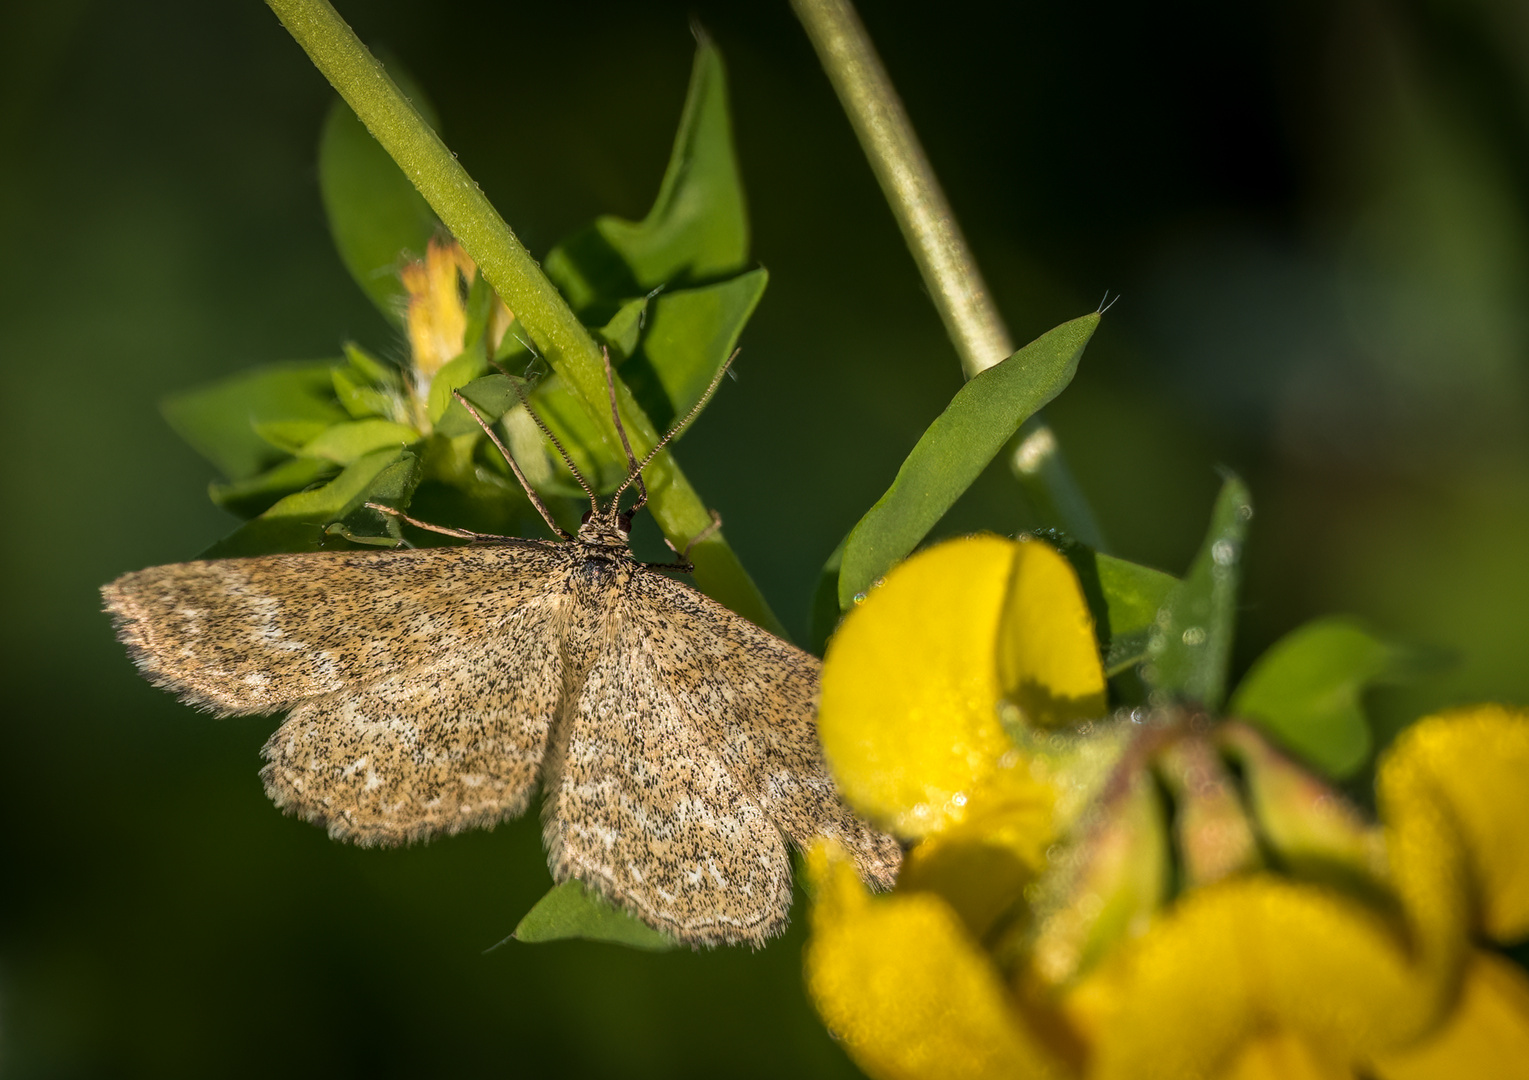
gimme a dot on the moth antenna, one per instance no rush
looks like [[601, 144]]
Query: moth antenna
[[520, 392], [684, 423], [541, 507], [626, 444]]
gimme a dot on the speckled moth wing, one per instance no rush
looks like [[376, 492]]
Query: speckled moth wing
[[760, 695], [439, 748], [261, 634], [639, 804]]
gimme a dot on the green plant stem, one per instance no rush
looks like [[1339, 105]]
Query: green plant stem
[[938, 246], [508, 267]]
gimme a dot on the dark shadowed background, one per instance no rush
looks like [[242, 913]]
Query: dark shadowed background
[[1317, 215]]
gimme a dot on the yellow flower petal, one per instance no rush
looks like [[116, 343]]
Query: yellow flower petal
[[1235, 960], [911, 996], [437, 318], [1282, 1056], [1487, 1034], [1048, 657], [981, 866], [1457, 780], [909, 715]]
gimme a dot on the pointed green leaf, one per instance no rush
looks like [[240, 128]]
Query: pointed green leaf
[[955, 449], [690, 335], [219, 420], [299, 522], [393, 486], [480, 307], [623, 330], [247, 498], [1306, 690], [349, 441], [698, 226], [566, 415], [359, 397], [492, 396], [375, 214], [1124, 598], [454, 374], [290, 436], [1190, 644], [824, 617], [371, 370], [569, 911], [667, 349]]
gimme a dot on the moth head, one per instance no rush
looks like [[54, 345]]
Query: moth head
[[610, 526]]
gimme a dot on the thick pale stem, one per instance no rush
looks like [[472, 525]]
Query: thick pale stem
[[508, 267], [938, 246]]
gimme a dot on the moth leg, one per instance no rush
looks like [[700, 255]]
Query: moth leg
[[461, 534], [684, 565]]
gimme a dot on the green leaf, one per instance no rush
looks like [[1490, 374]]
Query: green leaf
[[624, 329], [219, 420], [564, 414], [359, 397], [1190, 644], [569, 417], [1306, 690], [375, 214], [824, 617], [393, 486], [299, 522], [247, 498], [492, 396], [690, 335], [698, 227], [354, 439], [569, 911], [1124, 598], [454, 374], [290, 436], [956, 448], [479, 310], [372, 370]]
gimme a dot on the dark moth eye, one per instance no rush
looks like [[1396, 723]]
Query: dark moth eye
[[587, 515], [624, 523]]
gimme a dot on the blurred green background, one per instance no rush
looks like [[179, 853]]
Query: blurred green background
[[1315, 212]]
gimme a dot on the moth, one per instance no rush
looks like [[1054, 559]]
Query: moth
[[432, 690]]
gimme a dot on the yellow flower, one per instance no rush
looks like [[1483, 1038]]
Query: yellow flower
[[436, 316], [1036, 930]]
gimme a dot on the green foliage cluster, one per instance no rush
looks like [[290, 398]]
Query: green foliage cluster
[[304, 447]]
